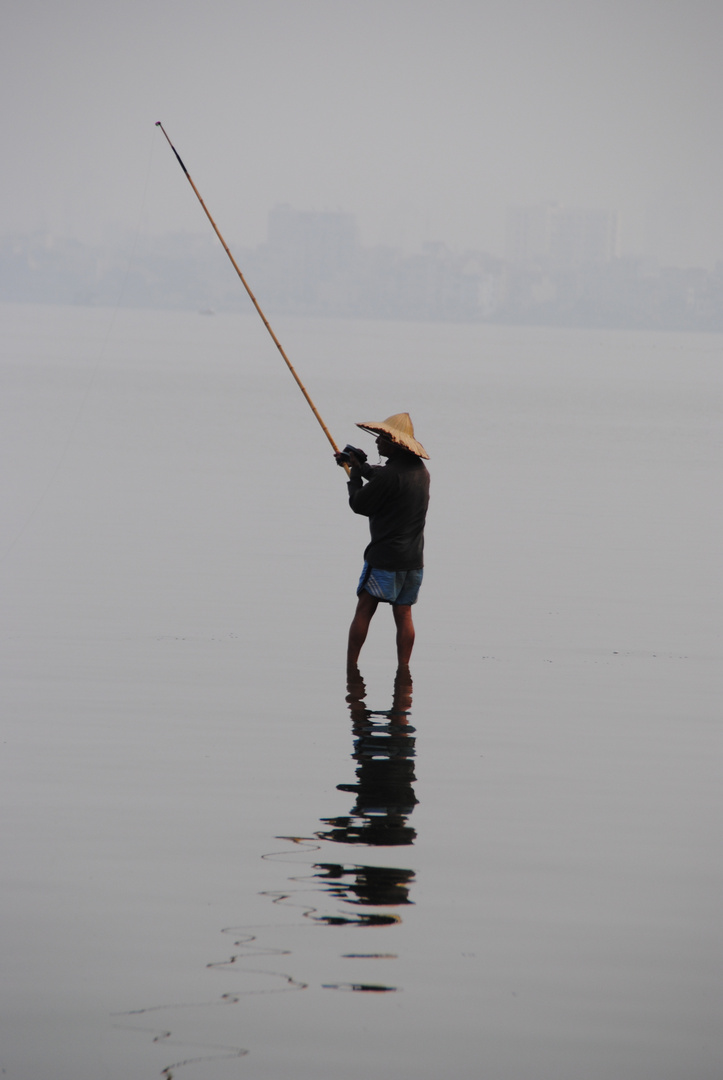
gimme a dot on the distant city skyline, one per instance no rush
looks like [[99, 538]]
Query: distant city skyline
[[666, 235], [540, 228], [562, 269], [425, 120]]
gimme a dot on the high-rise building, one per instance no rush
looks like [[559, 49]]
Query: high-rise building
[[323, 243], [528, 233], [561, 238]]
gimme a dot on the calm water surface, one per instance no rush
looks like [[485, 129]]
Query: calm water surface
[[226, 856]]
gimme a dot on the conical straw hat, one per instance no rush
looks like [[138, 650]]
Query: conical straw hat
[[400, 430]]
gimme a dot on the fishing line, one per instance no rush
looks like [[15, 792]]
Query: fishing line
[[55, 472]]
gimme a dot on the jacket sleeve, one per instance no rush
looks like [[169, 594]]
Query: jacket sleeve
[[368, 499]]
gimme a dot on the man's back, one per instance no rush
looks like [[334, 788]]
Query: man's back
[[395, 500]]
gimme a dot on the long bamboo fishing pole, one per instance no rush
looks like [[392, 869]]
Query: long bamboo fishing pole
[[253, 299]]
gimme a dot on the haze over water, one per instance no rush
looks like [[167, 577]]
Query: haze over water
[[426, 120], [225, 858]]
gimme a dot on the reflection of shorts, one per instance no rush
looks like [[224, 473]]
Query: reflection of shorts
[[392, 586]]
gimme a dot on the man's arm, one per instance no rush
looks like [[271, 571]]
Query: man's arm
[[369, 498], [364, 498]]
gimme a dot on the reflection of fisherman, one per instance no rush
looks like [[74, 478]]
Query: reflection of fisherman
[[395, 500], [384, 749]]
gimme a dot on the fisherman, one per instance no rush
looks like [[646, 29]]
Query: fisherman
[[394, 498]]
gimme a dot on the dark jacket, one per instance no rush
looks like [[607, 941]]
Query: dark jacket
[[395, 500]]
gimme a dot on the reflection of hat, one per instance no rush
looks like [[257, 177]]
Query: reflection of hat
[[400, 430]]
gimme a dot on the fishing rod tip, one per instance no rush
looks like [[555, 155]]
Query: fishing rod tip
[[158, 123]]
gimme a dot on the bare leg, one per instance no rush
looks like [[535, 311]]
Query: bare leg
[[365, 608], [405, 632]]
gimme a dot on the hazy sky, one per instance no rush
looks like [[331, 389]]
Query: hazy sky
[[425, 118]]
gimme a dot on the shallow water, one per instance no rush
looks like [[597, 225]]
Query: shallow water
[[222, 859]]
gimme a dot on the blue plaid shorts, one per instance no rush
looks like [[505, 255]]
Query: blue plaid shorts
[[391, 586]]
